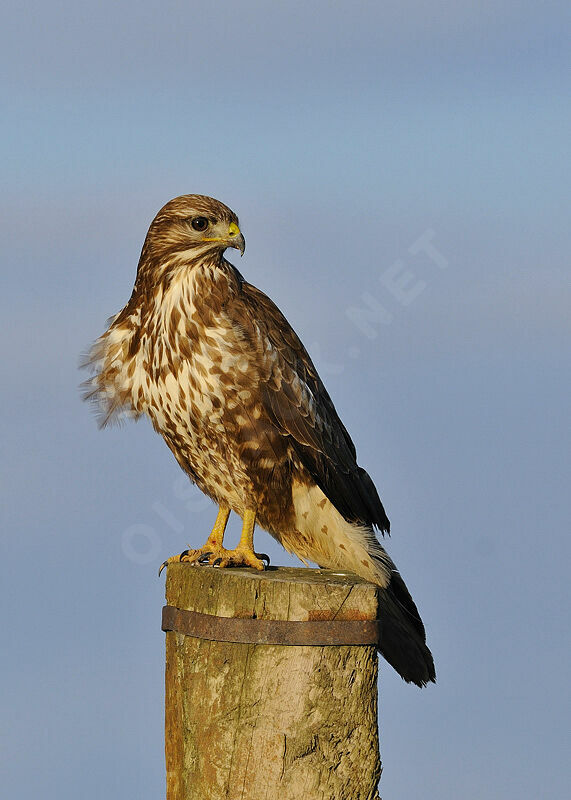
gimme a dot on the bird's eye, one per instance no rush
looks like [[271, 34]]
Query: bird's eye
[[200, 223]]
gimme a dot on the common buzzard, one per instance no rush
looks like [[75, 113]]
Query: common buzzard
[[230, 387]]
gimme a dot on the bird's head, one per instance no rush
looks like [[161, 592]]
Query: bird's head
[[186, 229]]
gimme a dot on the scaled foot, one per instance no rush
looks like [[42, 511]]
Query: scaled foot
[[219, 557]]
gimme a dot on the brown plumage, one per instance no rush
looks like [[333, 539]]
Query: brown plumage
[[228, 384]]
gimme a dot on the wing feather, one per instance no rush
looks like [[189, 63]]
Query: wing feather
[[297, 403]]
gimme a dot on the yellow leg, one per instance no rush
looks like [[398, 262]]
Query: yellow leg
[[217, 533], [247, 536], [212, 552], [245, 549], [212, 546]]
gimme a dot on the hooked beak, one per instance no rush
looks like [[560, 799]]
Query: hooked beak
[[235, 238]]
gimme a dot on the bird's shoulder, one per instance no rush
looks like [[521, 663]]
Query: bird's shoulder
[[256, 310]]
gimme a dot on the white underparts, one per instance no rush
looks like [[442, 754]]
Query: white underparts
[[323, 536]]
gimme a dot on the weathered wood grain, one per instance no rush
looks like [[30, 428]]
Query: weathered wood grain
[[258, 722]]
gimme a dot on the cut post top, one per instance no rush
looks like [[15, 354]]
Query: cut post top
[[281, 593]]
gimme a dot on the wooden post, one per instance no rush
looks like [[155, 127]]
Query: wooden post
[[267, 721]]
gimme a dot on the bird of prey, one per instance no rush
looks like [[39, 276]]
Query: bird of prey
[[228, 384]]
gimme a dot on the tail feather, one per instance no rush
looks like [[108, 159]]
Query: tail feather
[[403, 640]]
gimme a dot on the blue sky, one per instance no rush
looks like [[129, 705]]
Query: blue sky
[[342, 135]]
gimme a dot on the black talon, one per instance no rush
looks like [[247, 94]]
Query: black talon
[[217, 561], [264, 557], [184, 553], [163, 565]]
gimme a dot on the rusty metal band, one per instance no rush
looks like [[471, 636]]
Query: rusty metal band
[[271, 631]]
